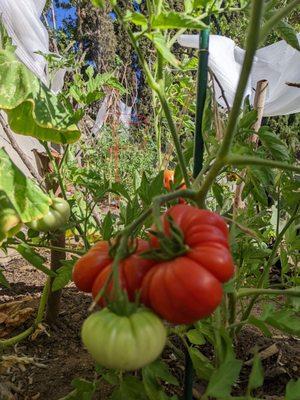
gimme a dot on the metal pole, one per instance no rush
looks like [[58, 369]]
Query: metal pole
[[198, 163], [201, 97]]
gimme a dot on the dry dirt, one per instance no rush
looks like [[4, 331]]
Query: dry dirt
[[43, 367]]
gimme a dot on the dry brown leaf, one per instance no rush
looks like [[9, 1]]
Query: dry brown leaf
[[15, 313]]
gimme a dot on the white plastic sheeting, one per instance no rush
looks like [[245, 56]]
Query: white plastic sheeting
[[278, 63], [21, 19]]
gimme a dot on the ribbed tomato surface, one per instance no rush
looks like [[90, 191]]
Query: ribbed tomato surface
[[189, 287]]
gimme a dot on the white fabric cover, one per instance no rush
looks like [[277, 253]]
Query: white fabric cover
[[21, 19], [278, 63]]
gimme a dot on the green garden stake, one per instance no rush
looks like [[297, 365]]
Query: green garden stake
[[198, 163], [201, 97]]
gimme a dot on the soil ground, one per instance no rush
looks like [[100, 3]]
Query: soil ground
[[44, 366]]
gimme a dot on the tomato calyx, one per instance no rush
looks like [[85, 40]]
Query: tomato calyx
[[131, 247], [170, 246], [123, 307]]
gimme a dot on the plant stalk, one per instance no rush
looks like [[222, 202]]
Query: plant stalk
[[249, 160]]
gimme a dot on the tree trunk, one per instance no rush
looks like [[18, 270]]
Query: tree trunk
[[57, 257]]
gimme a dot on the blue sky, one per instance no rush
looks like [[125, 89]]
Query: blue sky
[[62, 14]]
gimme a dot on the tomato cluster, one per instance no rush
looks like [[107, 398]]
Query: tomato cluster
[[92, 271], [181, 288]]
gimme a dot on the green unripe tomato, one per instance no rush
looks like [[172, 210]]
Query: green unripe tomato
[[124, 342], [57, 216]]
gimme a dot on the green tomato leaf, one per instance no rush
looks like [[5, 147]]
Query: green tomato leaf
[[150, 189], [136, 18], [256, 378], [27, 199], [9, 219], [32, 109], [284, 320], [63, 274], [218, 192], [34, 259], [98, 3], [261, 178], [292, 390], [188, 5], [223, 379], [202, 364], [84, 390], [120, 189], [160, 370], [151, 375], [288, 33], [247, 121], [162, 47], [260, 325], [273, 144], [3, 280], [195, 337], [131, 388], [107, 227], [144, 190], [174, 20]]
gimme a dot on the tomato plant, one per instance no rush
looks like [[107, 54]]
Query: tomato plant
[[248, 174], [124, 342]]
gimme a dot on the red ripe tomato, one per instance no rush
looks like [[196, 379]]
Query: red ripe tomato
[[132, 271], [88, 267], [189, 287]]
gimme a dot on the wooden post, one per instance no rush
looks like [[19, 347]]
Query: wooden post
[[259, 105]]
